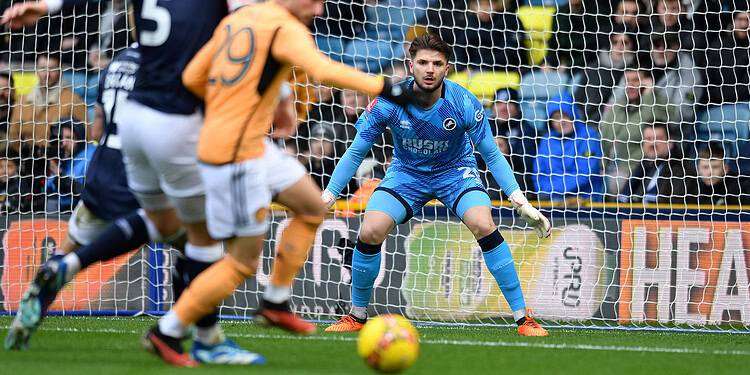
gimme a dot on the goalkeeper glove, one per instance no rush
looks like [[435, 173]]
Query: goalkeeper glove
[[396, 92], [533, 217], [328, 199]]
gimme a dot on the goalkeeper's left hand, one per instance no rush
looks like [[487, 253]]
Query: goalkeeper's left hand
[[533, 217]]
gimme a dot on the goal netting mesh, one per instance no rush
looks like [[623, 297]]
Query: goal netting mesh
[[627, 123]]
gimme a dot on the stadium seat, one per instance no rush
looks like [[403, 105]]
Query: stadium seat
[[537, 21], [484, 84]]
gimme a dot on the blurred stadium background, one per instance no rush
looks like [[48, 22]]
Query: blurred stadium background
[[650, 209]]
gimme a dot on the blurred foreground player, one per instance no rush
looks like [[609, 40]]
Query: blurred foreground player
[[239, 74], [433, 158], [158, 126], [107, 223]]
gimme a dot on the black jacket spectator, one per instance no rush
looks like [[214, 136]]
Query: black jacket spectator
[[670, 16], [731, 190], [716, 183], [663, 175], [596, 82], [727, 64], [516, 139], [579, 31]]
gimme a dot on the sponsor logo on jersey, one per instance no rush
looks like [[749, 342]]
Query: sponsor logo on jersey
[[424, 146], [449, 123], [479, 115], [405, 124], [372, 105]]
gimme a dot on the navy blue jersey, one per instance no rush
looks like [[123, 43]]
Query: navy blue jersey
[[106, 192], [170, 33]]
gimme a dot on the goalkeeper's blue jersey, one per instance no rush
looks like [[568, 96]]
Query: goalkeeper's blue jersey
[[433, 140]]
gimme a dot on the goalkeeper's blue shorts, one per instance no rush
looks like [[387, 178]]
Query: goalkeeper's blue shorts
[[401, 194]]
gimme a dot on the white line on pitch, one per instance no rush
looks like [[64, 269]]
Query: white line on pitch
[[502, 344]]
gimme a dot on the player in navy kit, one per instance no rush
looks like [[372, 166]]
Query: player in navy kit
[[158, 131], [108, 210], [433, 159]]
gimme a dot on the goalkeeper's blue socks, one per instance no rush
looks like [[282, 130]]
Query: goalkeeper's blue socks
[[499, 260], [365, 268]]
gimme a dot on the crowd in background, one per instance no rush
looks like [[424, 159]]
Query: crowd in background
[[633, 101]]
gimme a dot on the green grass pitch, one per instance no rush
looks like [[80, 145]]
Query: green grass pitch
[[77, 346]]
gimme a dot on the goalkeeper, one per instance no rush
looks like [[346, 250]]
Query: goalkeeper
[[433, 158]]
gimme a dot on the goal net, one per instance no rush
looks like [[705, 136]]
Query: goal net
[[627, 124]]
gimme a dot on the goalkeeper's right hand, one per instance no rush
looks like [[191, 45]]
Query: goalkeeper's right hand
[[533, 217], [328, 199]]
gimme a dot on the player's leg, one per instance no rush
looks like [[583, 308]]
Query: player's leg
[[159, 151], [303, 199], [237, 196], [385, 208], [473, 206]]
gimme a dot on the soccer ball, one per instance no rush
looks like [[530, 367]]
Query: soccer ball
[[388, 343]]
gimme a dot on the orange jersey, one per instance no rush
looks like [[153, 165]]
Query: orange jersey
[[239, 72]]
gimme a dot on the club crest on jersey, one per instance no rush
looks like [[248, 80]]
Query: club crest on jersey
[[479, 115], [372, 105], [449, 124]]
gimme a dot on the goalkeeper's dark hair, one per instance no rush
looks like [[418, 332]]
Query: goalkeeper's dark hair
[[431, 42]]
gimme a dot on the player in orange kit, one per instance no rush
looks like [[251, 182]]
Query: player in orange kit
[[238, 74]]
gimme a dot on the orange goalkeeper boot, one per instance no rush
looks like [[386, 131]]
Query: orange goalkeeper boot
[[347, 323], [531, 328]]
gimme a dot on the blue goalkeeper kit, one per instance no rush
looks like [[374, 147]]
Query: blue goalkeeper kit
[[433, 159]]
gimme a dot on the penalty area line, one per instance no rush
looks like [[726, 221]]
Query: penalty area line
[[473, 343]]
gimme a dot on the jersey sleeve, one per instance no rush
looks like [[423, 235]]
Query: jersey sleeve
[[370, 126], [478, 128], [295, 46], [195, 75]]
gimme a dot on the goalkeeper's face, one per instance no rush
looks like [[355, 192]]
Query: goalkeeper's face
[[429, 68]]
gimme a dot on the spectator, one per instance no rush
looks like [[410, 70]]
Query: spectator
[[670, 16], [577, 31], [487, 36], [320, 159], [387, 23], [568, 161], [717, 184], [662, 174], [676, 76], [49, 103], [7, 106], [516, 139], [341, 22], [727, 67], [594, 84], [638, 103], [67, 173], [10, 185], [632, 16]]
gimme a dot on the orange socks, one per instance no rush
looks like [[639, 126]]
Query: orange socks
[[210, 288], [293, 249]]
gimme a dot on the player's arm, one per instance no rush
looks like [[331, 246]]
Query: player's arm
[[285, 116], [98, 129], [370, 127], [481, 136], [195, 75], [294, 45], [28, 13]]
